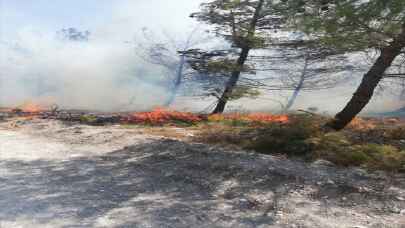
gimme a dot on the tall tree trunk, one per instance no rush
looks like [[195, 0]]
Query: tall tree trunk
[[233, 80], [297, 89], [365, 91], [220, 108], [177, 82], [180, 70]]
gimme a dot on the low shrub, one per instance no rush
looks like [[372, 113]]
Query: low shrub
[[242, 119], [303, 136], [88, 119], [335, 147], [397, 133], [269, 137], [383, 157], [291, 138]]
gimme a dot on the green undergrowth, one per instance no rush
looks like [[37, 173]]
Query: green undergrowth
[[88, 119], [304, 137]]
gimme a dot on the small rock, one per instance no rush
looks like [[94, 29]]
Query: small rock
[[400, 198], [380, 174], [395, 210], [402, 212], [321, 162], [360, 172], [168, 174], [364, 189]]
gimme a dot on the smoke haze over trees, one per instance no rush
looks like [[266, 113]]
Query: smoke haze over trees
[[41, 59]]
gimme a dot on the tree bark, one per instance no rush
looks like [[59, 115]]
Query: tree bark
[[365, 91], [220, 108], [297, 89], [233, 80], [177, 82], [180, 71]]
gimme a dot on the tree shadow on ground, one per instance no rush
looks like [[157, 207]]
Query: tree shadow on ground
[[159, 184], [163, 183]]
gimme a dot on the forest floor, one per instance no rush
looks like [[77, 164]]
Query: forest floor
[[55, 174]]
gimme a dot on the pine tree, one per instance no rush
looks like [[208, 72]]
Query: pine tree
[[355, 25], [241, 22]]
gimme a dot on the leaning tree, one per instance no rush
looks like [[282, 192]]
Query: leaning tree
[[305, 65], [243, 24], [167, 52], [288, 64], [215, 67], [355, 25]]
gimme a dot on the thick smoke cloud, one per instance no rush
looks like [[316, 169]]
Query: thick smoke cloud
[[102, 73], [94, 74]]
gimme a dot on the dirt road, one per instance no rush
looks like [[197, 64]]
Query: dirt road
[[55, 175]]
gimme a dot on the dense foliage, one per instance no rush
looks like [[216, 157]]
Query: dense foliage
[[351, 25]]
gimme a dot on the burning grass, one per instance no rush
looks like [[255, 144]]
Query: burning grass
[[161, 116], [247, 119], [367, 142], [156, 117], [30, 107]]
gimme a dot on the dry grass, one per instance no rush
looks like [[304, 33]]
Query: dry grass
[[370, 143], [366, 143]]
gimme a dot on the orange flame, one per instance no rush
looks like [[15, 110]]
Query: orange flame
[[163, 116], [5, 109], [359, 123], [252, 117], [263, 117], [31, 107]]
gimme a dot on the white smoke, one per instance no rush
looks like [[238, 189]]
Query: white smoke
[[91, 75], [102, 73]]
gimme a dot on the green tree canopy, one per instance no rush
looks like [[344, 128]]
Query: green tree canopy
[[241, 22], [354, 25], [245, 25], [351, 25]]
